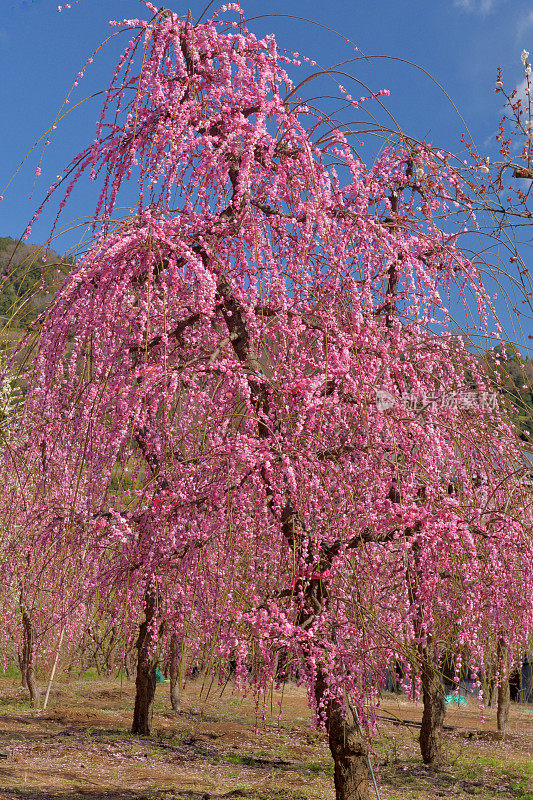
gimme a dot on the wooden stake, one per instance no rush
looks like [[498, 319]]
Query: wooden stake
[[53, 669]]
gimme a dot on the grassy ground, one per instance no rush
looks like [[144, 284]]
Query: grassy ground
[[218, 746]]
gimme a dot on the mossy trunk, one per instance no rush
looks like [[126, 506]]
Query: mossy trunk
[[348, 747], [28, 658], [434, 710], [504, 705], [145, 681], [504, 690]]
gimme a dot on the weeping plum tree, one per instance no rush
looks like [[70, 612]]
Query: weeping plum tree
[[259, 357]]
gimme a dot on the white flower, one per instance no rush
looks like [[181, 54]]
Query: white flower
[[528, 69], [524, 56], [499, 84], [419, 173]]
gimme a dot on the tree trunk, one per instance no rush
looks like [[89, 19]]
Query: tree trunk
[[22, 667], [348, 747], [28, 658], [504, 690], [491, 691], [434, 710], [146, 666], [174, 673]]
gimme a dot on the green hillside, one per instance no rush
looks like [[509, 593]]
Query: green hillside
[[514, 374], [27, 282]]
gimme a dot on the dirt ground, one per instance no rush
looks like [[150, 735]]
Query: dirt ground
[[220, 746]]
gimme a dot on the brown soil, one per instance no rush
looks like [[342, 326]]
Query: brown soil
[[221, 745]]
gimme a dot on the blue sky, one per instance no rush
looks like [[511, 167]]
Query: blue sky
[[459, 42]]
